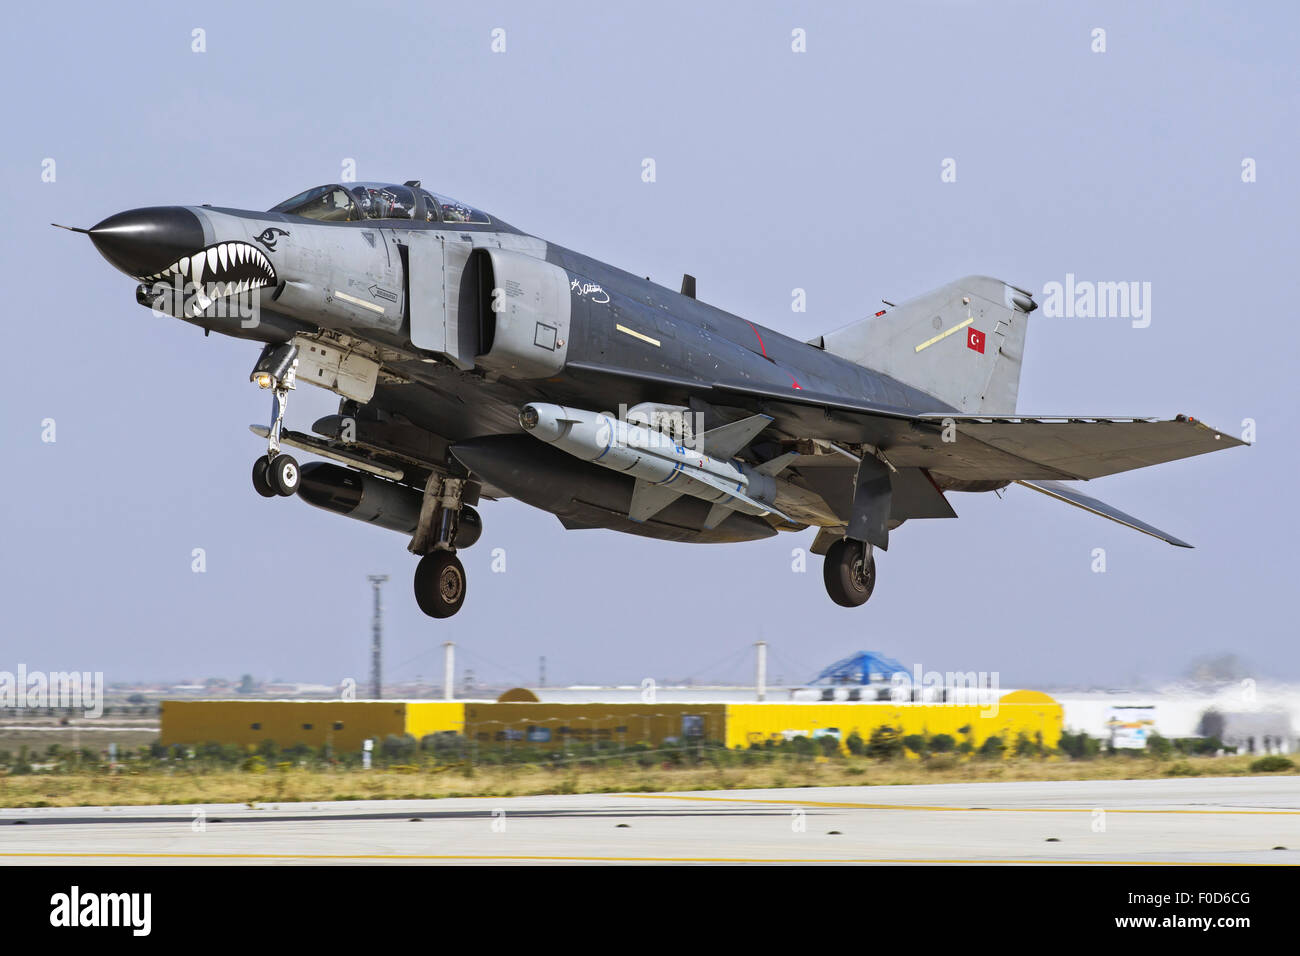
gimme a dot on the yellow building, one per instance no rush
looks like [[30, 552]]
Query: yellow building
[[549, 725], [1023, 711], [542, 725], [342, 724]]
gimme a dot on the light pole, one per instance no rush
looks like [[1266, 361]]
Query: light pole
[[448, 670], [377, 638]]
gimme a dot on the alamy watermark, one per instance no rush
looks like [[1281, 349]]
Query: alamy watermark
[[648, 426], [953, 688], [41, 690], [1084, 299], [180, 298]]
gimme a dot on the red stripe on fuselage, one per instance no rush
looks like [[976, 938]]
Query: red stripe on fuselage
[[763, 349]]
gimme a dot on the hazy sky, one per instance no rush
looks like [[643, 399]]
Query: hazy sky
[[775, 170]]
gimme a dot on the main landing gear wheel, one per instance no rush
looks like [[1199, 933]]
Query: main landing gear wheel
[[261, 480], [284, 475], [850, 572], [440, 584]]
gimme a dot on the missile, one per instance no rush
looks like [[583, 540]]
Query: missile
[[663, 468]]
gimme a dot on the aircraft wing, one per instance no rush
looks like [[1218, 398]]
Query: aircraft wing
[[1024, 448], [983, 447], [987, 448]]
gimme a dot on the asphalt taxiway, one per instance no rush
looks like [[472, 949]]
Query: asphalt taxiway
[[1249, 820]]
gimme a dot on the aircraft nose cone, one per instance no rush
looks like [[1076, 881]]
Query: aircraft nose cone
[[142, 242]]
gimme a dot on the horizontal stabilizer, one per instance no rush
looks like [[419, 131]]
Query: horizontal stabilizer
[[1061, 492]]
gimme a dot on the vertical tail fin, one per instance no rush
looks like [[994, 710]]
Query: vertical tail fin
[[962, 343]]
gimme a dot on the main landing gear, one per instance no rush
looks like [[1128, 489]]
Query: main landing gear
[[446, 524], [850, 572], [440, 584], [275, 473]]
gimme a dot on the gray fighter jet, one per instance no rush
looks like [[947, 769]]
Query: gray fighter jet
[[475, 361]]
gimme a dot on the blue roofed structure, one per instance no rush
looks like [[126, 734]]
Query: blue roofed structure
[[864, 667]]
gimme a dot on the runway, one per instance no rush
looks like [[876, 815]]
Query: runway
[[1243, 820]]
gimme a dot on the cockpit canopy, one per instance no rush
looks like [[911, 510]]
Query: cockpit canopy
[[353, 202]]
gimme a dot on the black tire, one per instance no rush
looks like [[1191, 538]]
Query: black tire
[[284, 475], [850, 573], [261, 480], [440, 584]]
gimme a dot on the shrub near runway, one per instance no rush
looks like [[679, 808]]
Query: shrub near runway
[[404, 770]]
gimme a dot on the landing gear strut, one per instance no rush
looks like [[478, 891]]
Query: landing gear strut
[[274, 473], [850, 572], [446, 522]]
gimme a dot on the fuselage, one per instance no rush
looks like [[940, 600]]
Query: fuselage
[[619, 320], [467, 321]]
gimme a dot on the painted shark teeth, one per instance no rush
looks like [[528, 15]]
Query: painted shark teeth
[[224, 262], [223, 269]]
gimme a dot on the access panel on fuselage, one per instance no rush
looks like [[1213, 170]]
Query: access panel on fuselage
[[435, 266]]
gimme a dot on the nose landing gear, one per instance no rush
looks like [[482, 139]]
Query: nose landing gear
[[849, 571], [274, 473]]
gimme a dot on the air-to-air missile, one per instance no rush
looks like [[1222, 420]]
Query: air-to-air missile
[[665, 467]]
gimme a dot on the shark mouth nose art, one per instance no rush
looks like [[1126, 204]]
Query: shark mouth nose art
[[222, 269]]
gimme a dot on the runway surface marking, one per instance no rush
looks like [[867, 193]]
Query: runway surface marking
[[909, 806]]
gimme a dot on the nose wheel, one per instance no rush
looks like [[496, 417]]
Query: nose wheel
[[849, 572], [261, 480], [278, 475], [440, 584]]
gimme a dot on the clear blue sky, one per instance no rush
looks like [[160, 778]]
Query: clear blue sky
[[775, 170]]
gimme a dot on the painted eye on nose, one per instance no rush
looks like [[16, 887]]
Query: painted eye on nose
[[270, 236]]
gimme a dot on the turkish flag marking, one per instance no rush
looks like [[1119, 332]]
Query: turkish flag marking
[[975, 340]]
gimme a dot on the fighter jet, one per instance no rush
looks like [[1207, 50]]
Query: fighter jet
[[475, 361]]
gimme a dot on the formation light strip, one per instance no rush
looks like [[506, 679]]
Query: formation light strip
[[943, 335], [637, 335], [361, 302]]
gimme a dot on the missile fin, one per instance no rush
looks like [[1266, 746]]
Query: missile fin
[[650, 499], [717, 515], [778, 464], [760, 507], [725, 440]]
